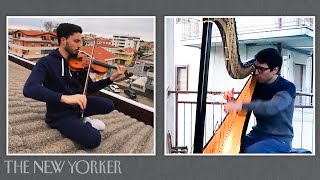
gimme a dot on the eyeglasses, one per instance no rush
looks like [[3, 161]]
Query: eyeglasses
[[260, 69]]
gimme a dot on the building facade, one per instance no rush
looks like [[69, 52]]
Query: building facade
[[148, 68], [146, 48], [125, 56], [126, 41], [32, 44], [100, 41]]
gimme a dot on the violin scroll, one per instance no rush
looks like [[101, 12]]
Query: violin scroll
[[128, 74]]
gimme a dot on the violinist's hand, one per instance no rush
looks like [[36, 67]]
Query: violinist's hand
[[120, 70], [79, 99], [232, 107], [229, 95]]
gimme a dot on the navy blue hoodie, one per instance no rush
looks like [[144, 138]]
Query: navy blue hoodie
[[51, 78], [273, 106]]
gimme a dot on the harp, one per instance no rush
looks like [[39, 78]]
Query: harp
[[227, 139]]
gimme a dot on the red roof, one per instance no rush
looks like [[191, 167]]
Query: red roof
[[130, 50], [99, 53], [35, 32], [108, 45], [150, 46]]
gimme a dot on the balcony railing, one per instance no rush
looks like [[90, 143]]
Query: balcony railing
[[35, 56], [32, 48], [192, 27], [185, 113], [35, 39]]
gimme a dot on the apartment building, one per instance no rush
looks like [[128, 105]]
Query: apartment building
[[126, 41], [147, 48], [32, 44], [102, 42], [148, 68], [111, 48], [125, 56]]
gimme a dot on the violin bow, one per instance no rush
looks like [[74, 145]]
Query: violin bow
[[87, 78]]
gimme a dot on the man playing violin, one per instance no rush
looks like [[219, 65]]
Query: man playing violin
[[52, 81], [272, 104]]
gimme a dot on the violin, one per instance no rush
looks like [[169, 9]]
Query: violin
[[82, 61]]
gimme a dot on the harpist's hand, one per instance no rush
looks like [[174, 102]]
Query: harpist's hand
[[229, 95], [79, 99], [232, 107]]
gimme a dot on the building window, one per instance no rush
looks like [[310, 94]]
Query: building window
[[151, 69], [182, 78], [298, 80], [146, 68], [151, 82], [137, 86]]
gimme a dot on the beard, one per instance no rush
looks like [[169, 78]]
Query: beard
[[71, 52]]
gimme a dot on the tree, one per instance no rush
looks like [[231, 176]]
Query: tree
[[55, 27], [85, 41], [50, 26]]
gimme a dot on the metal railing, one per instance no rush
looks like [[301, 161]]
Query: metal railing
[[185, 111], [55, 41], [32, 48], [35, 56], [192, 27]]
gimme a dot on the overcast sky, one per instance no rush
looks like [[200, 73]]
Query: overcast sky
[[102, 26]]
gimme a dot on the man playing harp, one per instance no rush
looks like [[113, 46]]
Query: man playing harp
[[272, 104]]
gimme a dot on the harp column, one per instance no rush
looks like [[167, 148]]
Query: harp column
[[203, 84]]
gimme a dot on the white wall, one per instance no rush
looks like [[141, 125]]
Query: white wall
[[169, 79]]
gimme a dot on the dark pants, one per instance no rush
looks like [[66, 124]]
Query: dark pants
[[261, 143], [73, 128]]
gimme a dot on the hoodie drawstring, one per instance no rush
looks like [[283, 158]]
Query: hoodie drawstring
[[62, 67]]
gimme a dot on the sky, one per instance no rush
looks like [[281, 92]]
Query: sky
[[103, 26]]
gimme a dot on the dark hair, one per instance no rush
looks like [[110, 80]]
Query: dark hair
[[271, 57], [66, 30]]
